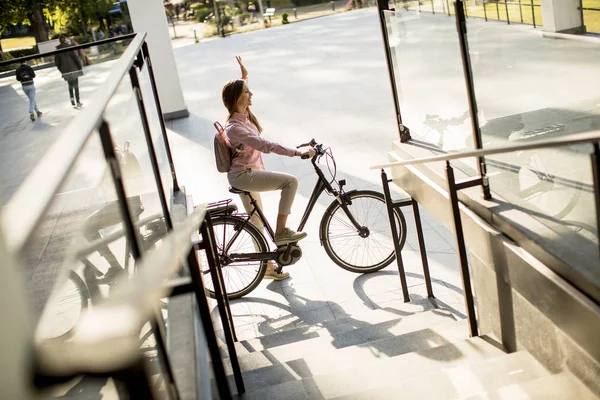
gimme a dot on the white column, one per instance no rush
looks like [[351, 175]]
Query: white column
[[562, 16], [149, 16]]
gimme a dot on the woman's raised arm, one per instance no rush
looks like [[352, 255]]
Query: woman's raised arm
[[242, 68]]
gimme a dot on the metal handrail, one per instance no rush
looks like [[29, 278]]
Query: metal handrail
[[579, 138], [21, 60], [37, 191]]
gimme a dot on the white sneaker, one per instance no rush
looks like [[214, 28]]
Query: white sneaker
[[288, 236]]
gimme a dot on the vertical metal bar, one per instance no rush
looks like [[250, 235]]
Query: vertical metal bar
[[160, 336], [163, 127], [214, 263], [132, 238], [117, 176], [462, 252], [466, 9], [461, 26], [533, 13], [397, 249], [422, 249], [498, 10], [521, 10], [444, 6], [403, 132], [432, 7], [596, 176], [507, 15], [485, 10], [135, 84], [207, 325], [419, 5], [206, 230], [448, 7]]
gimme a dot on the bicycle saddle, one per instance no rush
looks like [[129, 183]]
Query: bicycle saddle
[[237, 191]]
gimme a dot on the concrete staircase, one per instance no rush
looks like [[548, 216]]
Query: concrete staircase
[[426, 355]]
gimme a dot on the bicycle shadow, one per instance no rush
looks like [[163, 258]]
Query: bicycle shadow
[[314, 341]]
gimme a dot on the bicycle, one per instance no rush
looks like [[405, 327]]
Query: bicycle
[[74, 296], [354, 231]]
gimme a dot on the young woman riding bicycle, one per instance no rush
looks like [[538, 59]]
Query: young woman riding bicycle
[[247, 170]]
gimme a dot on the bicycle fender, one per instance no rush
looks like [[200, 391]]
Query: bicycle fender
[[334, 203]]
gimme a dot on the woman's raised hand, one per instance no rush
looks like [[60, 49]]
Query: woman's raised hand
[[242, 68]]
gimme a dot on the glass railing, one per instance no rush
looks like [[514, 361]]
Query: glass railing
[[529, 86], [526, 86], [91, 223]]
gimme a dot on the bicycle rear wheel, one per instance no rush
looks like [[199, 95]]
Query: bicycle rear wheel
[[347, 247], [240, 277]]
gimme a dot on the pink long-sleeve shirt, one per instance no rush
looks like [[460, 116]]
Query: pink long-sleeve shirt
[[241, 131]]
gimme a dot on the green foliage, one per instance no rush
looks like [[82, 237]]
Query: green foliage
[[202, 12], [284, 18], [244, 18], [5, 56]]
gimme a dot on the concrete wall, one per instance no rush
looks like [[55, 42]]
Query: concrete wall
[[149, 16], [562, 16]]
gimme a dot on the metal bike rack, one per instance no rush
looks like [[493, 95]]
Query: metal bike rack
[[391, 205]]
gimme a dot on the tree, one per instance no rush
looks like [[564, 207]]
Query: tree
[[11, 12]]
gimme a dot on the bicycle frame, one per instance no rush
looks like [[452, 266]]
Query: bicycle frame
[[321, 185]]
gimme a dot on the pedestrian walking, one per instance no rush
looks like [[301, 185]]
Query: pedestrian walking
[[71, 68], [25, 75]]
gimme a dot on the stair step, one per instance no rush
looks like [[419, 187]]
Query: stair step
[[458, 382], [554, 387], [378, 370], [283, 365], [329, 342], [327, 328]]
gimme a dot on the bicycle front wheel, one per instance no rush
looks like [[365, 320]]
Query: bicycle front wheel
[[366, 251], [240, 277], [64, 308]]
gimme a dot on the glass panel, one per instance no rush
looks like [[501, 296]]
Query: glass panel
[[533, 87], [23, 141], [129, 139], [156, 132], [429, 77], [79, 251]]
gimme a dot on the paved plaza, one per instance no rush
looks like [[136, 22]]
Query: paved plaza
[[326, 79]]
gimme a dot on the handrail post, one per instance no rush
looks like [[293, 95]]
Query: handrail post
[[506, 8], [403, 131], [134, 243], [207, 325], [533, 13], [160, 116], [208, 240], [485, 10], [422, 250], [521, 11], [498, 10], [397, 249], [462, 252], [461, 26], [596, 177]]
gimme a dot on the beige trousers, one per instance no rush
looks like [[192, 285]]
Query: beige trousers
[[264, 181]]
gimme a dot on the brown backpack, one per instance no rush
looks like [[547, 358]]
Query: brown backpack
[[224, 154]]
